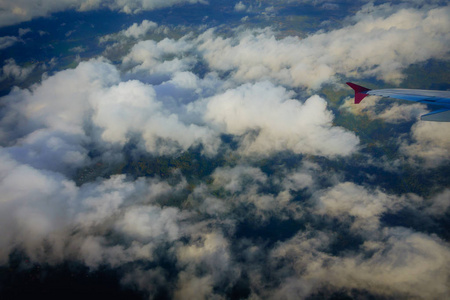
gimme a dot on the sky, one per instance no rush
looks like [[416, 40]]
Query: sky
[[190, 149]]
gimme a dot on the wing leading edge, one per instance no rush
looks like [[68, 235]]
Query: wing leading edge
[[438, 98]]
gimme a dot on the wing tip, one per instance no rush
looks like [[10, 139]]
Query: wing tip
[[360, 91], [441, 115]]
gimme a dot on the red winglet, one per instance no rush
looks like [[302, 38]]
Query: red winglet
[[360, 92]]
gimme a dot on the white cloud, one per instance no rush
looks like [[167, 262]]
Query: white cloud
[[48, 123], [211, 249], [78, 49], [13, 71], [375, 46], [209, 252], [50, 150], [198, 225], [261, 114], [13, 12], [137, 31], [123, 108], [31, 207], [185, 80], [62, 101], [302, 177], [409, 263], [151, 56], [400, 113], [48, 217], [236, 179], [268, 120], [243, 186], [430, 142], [74, 107], [400, 262], [151, 222], [190, 287], [439, 203], [131, 107], [348, 201], [240, 6], [51, 219], [17, 11], [8, 41], [47, 128]]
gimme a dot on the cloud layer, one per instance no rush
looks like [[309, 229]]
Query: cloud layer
[[13, 12], [377, 45], [258, 193], [74, 108]]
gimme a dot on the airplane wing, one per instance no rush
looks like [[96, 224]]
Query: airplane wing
[[438, 98]]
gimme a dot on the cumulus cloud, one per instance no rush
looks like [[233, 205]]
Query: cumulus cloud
[[150, 56], [66, 106], [31, 206], [131, 107], [144, 223], [254, 55], [235, 179], [268, 120], [415, 264], [243, 183], [240, 6], [274, 216], [245, 189], [400, 113], [13, 12], [256, 112], [429, 142], [349, 201], [51, 125], [400, 263], [118, 221], [47, 124], [372, 47], [301, 178], [11, 70], [440, 204], [136, 30], [211, 254], [42, 209]]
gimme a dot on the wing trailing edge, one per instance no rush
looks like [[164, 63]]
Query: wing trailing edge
[[442, 115], [429, 97]]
